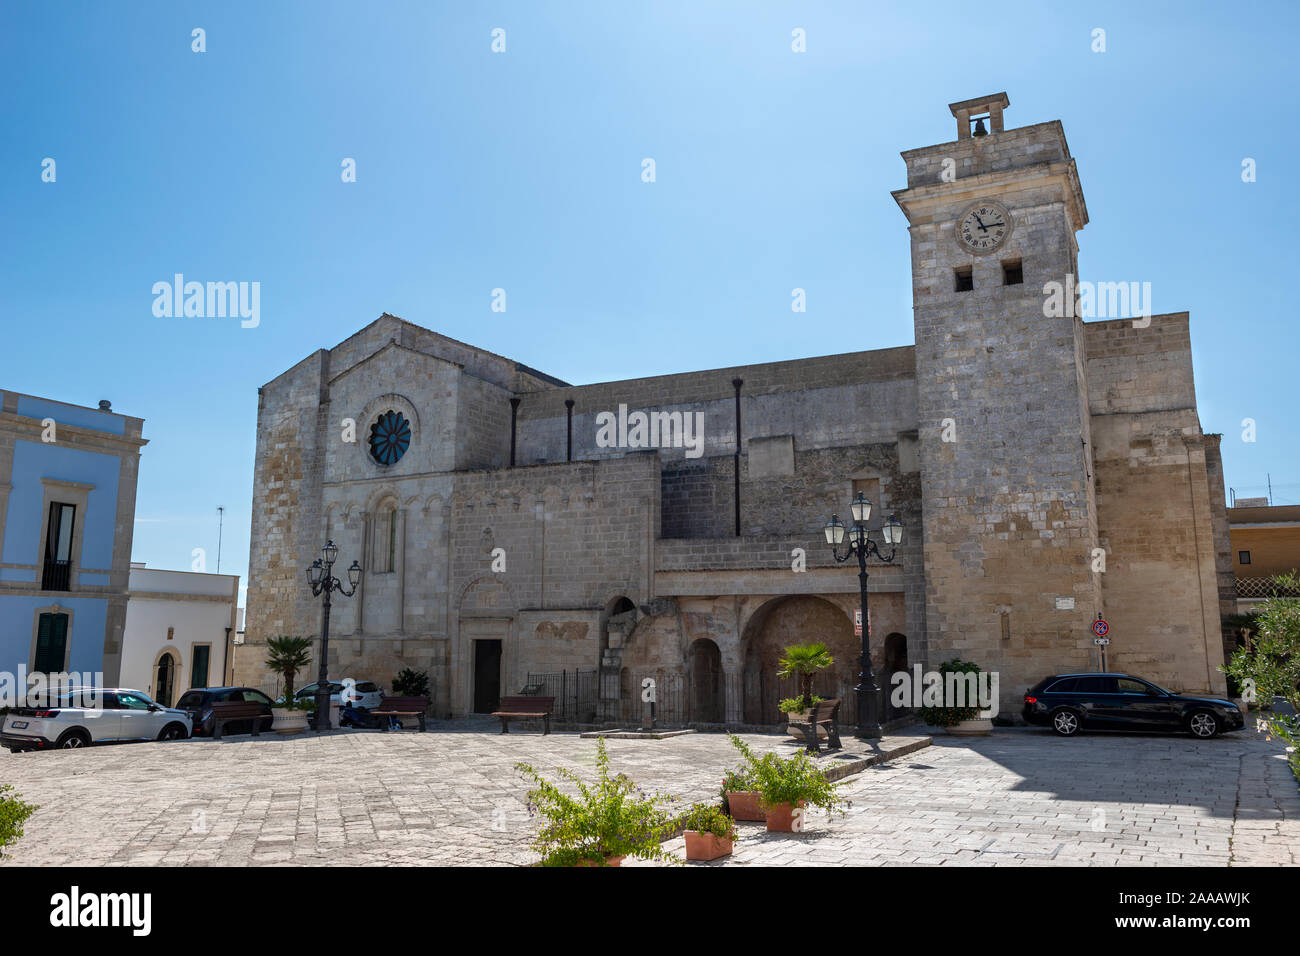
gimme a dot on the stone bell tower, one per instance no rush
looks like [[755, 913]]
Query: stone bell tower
[[1010, 508]]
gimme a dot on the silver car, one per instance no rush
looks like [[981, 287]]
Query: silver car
[[81, 718]]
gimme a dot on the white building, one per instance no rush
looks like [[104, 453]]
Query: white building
[[180, 629]]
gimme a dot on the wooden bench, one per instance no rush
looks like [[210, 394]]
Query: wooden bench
[[415, 707], [226, 712], [825, 714], [523, 708]]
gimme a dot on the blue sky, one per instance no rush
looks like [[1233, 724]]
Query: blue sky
[[522, 171]]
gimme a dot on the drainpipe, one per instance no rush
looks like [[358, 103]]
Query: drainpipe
[[514, 418], [736, 383], [225, 653], [568, 404]]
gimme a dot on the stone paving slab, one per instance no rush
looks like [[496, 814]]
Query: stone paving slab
[[452, 797], [1024, 797]]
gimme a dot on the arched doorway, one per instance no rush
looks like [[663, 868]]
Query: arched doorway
[[895, 661], [704, 667], [798, 619], [165, 678]]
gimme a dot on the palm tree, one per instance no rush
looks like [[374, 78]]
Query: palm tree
[[805, 660], [288, 656]]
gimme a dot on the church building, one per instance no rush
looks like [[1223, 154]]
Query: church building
[[516, 530]]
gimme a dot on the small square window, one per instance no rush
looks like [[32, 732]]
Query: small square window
[[1012, 273], [965, 279], [1243, 557]]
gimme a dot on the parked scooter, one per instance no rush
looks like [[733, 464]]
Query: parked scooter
[[354, 715]]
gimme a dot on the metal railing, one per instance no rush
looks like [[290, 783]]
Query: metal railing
[[574, 692], [1263, 588], [57, 575]]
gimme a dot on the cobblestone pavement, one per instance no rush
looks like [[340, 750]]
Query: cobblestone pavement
[[451, 796]]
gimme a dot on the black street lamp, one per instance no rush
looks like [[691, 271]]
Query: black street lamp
[[321, 578], [860, 543]]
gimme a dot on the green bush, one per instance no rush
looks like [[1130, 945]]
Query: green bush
[[792, 705], [13, 814], [613, 817], [791, 780], [951, 716], [286, 702], [1269, 665], [708, 818], [411, 683]]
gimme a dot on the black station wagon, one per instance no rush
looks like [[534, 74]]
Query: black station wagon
[[1069, 703]]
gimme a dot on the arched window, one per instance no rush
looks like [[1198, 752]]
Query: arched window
[[392, 539], [385, 542]]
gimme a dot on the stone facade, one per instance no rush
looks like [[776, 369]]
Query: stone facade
[[1016, 448]]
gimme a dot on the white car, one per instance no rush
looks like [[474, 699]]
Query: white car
[[121, 714], [359, 693]]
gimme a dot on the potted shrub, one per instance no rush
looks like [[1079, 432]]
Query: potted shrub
[[287, 656], [606, 822], [804, 661], [739, 792], [790, 784], [794, 708], [289, 715], [959, 721], [411, 683], [709, 832]]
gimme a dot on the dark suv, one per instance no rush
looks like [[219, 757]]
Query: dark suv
[[198, 702], [1069, 703]]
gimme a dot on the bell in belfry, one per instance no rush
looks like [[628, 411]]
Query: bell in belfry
[[979, 128]]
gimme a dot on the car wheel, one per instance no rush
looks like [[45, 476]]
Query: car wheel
[[73, 740], [1065, 722], [1203, 724], [173, 732]]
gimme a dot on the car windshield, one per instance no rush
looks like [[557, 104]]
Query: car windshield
[[1159, 688], [190, 698]]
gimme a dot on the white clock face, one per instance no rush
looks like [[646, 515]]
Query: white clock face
[[984, 227]]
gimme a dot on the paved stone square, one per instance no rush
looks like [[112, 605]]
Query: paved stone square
[[452, 797]]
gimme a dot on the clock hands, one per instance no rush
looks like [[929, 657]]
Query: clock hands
[[984, 227]]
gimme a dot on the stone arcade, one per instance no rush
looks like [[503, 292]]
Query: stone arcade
[[1070, 437]]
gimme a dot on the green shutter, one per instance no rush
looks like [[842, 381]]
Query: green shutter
[[51, 643], [199, 672]]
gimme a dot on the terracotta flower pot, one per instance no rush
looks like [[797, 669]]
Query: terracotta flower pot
[[780, 818], [609, 861], [706, 846], [744, 806]]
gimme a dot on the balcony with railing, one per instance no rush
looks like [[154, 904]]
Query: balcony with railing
[[57, 575]]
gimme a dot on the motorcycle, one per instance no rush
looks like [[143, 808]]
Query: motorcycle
[[354, 715]]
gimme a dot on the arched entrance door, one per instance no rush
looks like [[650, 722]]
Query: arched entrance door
[[704, 665], [165, 679], [799, 619]]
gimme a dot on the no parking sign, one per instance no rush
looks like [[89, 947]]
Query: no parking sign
[[1100, 628]]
